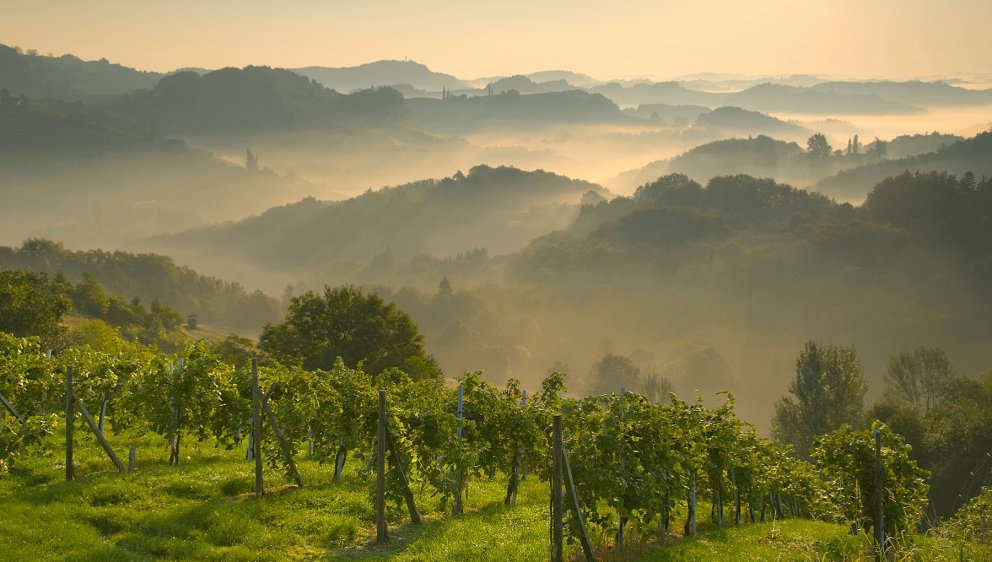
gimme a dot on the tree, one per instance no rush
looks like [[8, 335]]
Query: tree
[[919, 378], [89, 297], [31, 306], [444, 287], [613, 372], [344, 322], [818, 147], [828, 391]]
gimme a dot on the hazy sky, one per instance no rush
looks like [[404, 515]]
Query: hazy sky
[[468, 38]]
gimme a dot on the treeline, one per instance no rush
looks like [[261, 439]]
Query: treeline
[[35, 304], [674, 221], [151, 278]]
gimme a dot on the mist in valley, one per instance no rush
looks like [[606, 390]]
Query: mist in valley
[[520, 220]]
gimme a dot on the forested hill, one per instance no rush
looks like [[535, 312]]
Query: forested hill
[[500, 209], [151, 278], [67, 77], [461, 114], [253, 99], [748, 224], [381, 73], [969, 155]]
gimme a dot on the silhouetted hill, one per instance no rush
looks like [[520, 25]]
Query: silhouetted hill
[[925, 234], [102, 194], [671, 93], [500, 209], [574, 78], [741, 121], [759, 156], [67, 77], [679, 115], [924, 94], [253, 99], [972, 155], [765, 97], [56, 127], [463, 113], [524, 85], [792, 99], [382, 73]]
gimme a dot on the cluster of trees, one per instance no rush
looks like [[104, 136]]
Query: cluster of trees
[[34, 304], [942, 416], [151, 278]]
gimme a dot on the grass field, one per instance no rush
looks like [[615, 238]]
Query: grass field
[[205, 509]]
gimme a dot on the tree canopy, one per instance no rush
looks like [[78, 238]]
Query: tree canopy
[[827, 392], [345, 322]]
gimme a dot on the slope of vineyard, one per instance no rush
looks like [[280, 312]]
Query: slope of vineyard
[[472, 464], [204, 511]]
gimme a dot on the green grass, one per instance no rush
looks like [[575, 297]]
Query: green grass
[[205, 509]]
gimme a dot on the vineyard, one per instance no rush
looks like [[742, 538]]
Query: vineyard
[[618, 466]]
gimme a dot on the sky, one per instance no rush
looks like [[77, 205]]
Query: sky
[[471, 39]]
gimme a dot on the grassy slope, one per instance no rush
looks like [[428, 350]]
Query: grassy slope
[[205, 510]]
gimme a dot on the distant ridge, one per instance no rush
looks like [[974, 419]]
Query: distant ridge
[[68, 77], [381, 73], [253, 98]]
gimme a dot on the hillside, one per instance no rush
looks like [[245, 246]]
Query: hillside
[[918, 93], [151, 278], [381, 73], [737, 121], [254, 99], [766, 97], [103, 188], [511, 109], [500, 209], [67, 77], [758, 156], [970, 155], [50, 127]]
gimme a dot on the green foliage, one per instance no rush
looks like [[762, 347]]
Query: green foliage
[[148, 277], [919, 378], [98, 335], [973, 522], [346, 323], [32, 305], [818, 147], [195, 395], [89, 298], [952, 441], [846, 459], [613, 372], [828, 391]]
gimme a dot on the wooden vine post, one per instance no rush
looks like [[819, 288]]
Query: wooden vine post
[[72, 404], [10, 408], [70, 414], [878, 513], [256, 428], [283, 445], [411, 503], [459, 469], [99, 435], [381, 530], [557, 532], [561, 477]]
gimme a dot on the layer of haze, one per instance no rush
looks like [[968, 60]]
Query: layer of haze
[[887, 38]]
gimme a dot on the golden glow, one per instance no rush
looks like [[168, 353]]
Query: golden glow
[[626, 38]]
